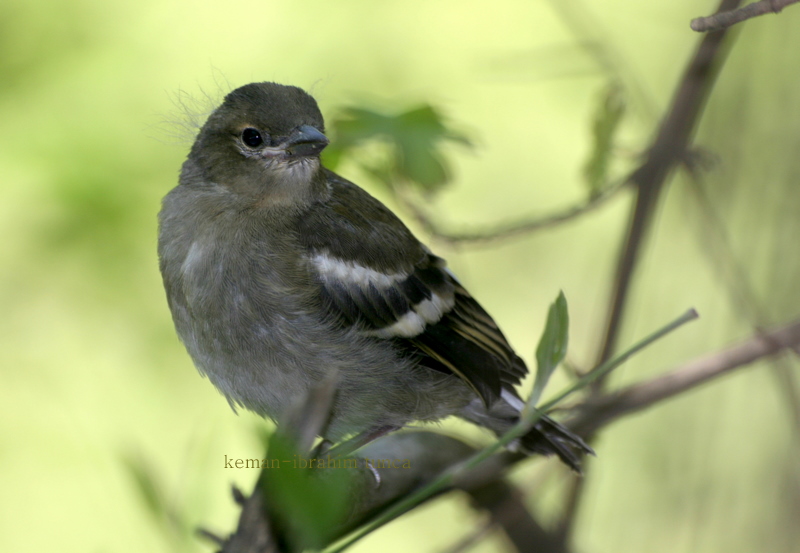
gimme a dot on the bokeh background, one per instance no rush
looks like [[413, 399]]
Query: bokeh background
[[109, 439]]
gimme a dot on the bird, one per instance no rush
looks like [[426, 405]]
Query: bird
[[278, 272]]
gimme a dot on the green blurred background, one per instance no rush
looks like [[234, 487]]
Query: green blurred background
[[111, 442]]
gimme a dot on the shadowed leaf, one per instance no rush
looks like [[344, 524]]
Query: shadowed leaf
[[308, 498], [606, 122], [414, 139], [552, 346]]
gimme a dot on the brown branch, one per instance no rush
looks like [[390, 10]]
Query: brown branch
[[667, 151], [470, 540], [510, 230], [506, 507], [253, 532], [743, 296], [725, 19], [597, 412], [430, 453]]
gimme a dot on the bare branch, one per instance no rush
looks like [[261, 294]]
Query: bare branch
[[507, 509], [595, 413], [511, 230], [470, 540], [743, 296], [600, 411], [724, 20], [253, 533], [429, 454], [666, 152]]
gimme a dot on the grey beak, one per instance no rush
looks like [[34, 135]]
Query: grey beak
[[305, 140]]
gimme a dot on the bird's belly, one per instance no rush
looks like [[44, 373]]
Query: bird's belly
[[263, 341]]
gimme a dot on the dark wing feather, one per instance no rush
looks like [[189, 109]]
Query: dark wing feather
[[374, 274]]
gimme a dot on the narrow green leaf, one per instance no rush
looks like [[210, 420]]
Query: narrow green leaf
[[612, 364], [552, 346]]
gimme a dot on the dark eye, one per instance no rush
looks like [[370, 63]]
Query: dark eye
[[252, 137]]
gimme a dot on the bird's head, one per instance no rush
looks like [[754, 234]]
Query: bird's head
[[264, 141]]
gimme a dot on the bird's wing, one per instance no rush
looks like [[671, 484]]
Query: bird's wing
[[375, 275]]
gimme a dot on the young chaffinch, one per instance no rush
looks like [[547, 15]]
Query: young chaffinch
[[278, 271]]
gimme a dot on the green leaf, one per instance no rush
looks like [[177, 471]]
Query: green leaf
[[414, 139], [308, 502], [552, 346], [605, 368], [606, 122]]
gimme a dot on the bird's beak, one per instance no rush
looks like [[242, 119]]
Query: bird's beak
[[305, 140]]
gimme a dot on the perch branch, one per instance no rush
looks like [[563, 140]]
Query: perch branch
[[430, 453]]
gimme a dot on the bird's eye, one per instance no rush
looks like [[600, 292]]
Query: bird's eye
[[252, 137]]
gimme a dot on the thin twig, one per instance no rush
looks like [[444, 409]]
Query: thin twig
[[472, 539], [724, 20], [524, 226], [507, 509], [608, 366], [600, 411], [743, 296], [253, 532], [668, 150], [211, 536]]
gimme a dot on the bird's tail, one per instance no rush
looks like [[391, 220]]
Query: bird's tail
[[548, 437]]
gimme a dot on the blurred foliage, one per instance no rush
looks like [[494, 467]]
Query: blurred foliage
[[152, 492], [607, 119], [89, 358], [552, 346], [308, 502], [413, 138]]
